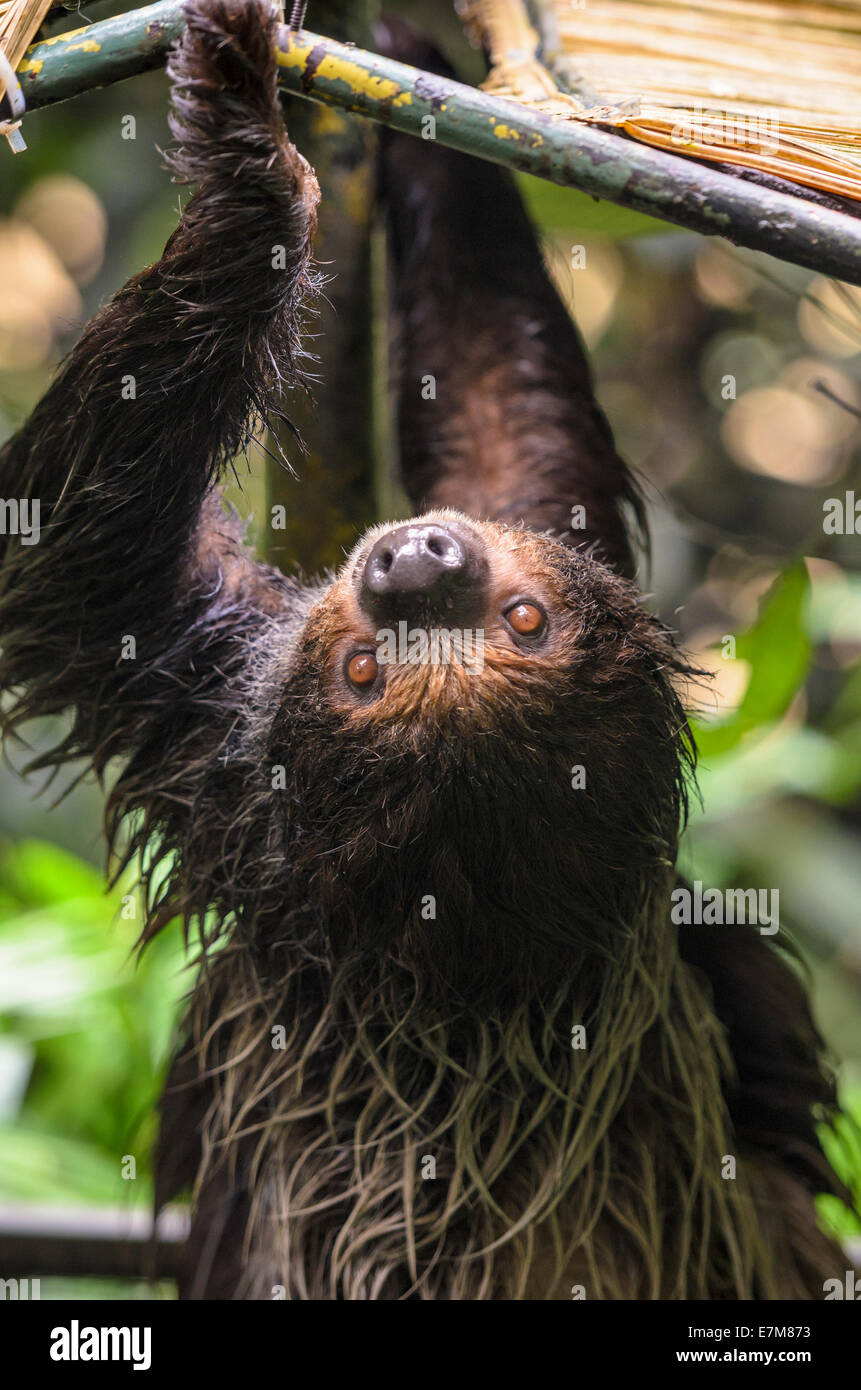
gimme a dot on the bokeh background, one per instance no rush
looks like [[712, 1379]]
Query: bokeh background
[[733, 383]]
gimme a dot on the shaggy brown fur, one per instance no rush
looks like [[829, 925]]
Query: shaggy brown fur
[[340, 1037]]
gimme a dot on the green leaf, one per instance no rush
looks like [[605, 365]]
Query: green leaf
[[842, 1144], [778, 649]]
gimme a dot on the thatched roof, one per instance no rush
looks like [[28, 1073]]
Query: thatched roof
[[19, 20], [769, 85]]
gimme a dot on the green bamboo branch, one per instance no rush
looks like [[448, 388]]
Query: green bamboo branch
[[597, 162]]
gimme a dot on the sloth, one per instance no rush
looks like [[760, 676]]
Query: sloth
[[445, 1041]]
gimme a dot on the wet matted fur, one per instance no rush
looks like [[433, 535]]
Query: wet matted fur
[[373, 1099]]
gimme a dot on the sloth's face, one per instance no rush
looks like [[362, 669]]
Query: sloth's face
[[472, 704], [475, 660], [445, 621]]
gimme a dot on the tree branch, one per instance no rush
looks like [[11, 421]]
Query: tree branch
[[571, 153]]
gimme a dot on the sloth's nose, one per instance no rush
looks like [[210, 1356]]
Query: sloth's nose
[[419, 563], [415, 560]]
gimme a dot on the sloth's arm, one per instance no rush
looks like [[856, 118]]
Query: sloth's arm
[[513, 431], [137, 603]]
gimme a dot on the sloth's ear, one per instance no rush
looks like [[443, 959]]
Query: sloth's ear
[[497, 415]]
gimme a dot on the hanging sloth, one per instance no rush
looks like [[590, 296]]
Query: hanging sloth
[[445, 1041]]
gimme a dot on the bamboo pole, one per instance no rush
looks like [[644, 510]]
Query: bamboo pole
[[573, 154], [38, 1242]]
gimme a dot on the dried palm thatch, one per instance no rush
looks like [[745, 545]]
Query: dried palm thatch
[[768, 85], [19, 20]]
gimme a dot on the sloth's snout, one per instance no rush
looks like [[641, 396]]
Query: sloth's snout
[[415, 560], [421, 565]]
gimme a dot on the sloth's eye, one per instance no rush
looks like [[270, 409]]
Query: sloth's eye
[[362, 669], [527, 619]]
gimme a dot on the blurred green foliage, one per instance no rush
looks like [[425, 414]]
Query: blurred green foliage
[[778, 651], [756, 753], [84, 1029], [842, 1144]]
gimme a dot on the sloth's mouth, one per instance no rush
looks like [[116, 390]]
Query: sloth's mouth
[[406, 645], [449, 686]]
